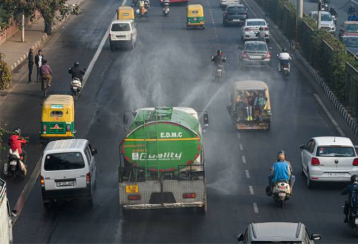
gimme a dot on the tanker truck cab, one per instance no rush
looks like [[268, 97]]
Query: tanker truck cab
[[162, 160], [6, 235]]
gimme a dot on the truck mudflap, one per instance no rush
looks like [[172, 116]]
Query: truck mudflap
[[165, 205]]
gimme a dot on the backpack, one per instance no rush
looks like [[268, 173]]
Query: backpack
[[354, 197]]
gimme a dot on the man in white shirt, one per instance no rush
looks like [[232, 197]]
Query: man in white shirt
[[284, 57]]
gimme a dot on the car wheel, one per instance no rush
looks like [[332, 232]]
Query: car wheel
[[309, 183]]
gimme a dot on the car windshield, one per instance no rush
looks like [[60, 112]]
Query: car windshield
[[352, 28], [334, 151], [256, 47], [350, 41], [256, 23], [120, 27], [64, 161], [234, 10], [324, 17]]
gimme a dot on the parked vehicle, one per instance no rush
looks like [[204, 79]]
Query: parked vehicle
[[351, 43], [348, 28], [277, 232], [241, 92], [122, 33], [195, 16], [6, 216], [252, 27], [224, 3], [255, 54], [162, 160], [327, 21], [57, 119], [125, 13], [68, 170], [328, 159], [235, 14]]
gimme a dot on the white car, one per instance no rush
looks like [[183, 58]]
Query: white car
[[251, 28], [224, 3], [328, 159], [327, 21], [122, 33]]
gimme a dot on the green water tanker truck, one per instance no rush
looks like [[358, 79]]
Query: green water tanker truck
[[162, 160]]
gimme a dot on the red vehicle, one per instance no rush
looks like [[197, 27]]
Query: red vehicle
[[349, 28], [174, 1]]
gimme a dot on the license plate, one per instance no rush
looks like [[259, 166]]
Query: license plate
[[337, 174], [132, 189], [13, 163], [356, 221], [255, 57], [236, 20], [65, 183], [74, 88]]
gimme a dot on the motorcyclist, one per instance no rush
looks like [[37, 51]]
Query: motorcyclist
[[16, 142], [353, 17], [261, 34], [333, 11], [284, 57], [218, 59], [76, 72], [166, 5], [350, 190]]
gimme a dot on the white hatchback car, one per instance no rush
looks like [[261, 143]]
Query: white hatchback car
[[327, 21], [327, 159], [122, 33], [251, 28]]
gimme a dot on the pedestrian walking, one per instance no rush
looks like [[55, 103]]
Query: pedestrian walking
[[38, 62], [31, 63]]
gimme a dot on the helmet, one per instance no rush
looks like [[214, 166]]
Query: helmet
[[76, 64], [219, 52], [282, 152], [17, 131], [354, 179], [284, 50]]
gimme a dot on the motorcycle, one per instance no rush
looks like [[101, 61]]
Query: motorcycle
[[166, 9], [281, 193], [219, 70], [15, 164], [353, 217], [75, 87]]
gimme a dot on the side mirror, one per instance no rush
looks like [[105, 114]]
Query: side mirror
[[315, 237], [240, 237], [302, 146], [206, 120], [94, 151]]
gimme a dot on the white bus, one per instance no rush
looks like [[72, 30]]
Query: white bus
[[6, 235]]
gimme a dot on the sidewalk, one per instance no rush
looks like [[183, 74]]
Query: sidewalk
[[16, 51]]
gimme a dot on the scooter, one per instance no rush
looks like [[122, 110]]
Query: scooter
[[166, 9], [15, 165], [281, 193], [219, 70], [75, 87]]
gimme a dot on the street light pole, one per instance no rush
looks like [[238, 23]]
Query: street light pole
[[319, 15], [22, 28], [300, 9]]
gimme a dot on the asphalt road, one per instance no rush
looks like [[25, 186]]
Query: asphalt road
[[171, 66], [341, 7]]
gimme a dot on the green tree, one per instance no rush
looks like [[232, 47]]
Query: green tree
[[5, 74]]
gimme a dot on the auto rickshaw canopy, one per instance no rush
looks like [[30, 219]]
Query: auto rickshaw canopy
[[125, 12], [246, 87], [58, 108], [195, 10]]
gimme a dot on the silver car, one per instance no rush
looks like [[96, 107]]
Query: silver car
[[277, 232], [327, 21], [251, 27], [255, 54]]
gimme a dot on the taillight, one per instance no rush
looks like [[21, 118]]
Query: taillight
[[88, 178], [315, 162], [44, 128], [189, 195], [68, 128], [355, 162], [42, 181], [266, 28], [247, 29], [268, 55], [244, 55], [134, 197]]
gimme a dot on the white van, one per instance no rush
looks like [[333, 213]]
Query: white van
[[6, 217], [122, 33], [68, 170]]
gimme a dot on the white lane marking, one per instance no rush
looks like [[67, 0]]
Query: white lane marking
[[243, 159], [256, 209], [238, 135], [36, 172], [251, 189], [247, 174], [241, 147], [329, 115]]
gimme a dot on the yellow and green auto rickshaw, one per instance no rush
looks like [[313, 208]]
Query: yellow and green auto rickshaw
[[250, 105], [195, 16], [57, 119], [125, 12]]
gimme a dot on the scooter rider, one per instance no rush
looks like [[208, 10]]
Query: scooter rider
[[284, 56], [218, 59], [261, 34], [351, 190], [16, 142], [166, 5], [281, 170], [76, 72]]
